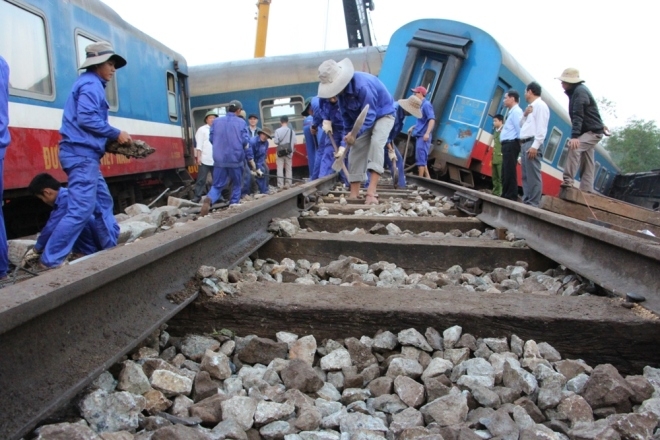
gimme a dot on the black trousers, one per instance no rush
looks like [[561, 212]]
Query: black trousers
[[510, 153], [200, 185]]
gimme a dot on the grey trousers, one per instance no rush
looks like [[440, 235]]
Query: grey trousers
[[582, 158], [284, 170], [367, 152], [531, 175]]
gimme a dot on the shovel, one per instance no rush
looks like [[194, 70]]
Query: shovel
[[394, 171], [334, 145], [356, 128]]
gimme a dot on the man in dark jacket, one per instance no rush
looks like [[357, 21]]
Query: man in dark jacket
[[586, 132]]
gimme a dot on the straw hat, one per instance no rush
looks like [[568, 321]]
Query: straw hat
[[334, 77], [267, 131], [99, 53], [570, 75], [412, 105]]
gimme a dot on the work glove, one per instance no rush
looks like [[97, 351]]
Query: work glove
[[340, 151], [259, 172], [327, 126], [391, 154], [254, 173], [31, 258]]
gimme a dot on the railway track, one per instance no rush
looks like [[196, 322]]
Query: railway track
[[60, 330]]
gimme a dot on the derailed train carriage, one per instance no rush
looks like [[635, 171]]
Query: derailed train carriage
[[465, 70], [44, 42]]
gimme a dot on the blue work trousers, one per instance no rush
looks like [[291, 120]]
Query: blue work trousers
[[312, 144], [223, 177], [4, 251], [262, 182], [88, 196]]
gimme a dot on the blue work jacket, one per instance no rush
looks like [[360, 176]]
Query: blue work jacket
[[258, 150], [5, 137], [364, 89], [59, 211], [423, 123], [85, 128], [229, 136], [399, 117]]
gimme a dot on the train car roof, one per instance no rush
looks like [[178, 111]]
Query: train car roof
[[276, 71], [104, 11]]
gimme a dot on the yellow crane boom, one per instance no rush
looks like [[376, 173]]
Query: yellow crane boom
[[263, 7]]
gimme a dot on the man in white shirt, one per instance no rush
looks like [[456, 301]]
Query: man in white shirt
[[533, 128], [510, 138], [203, 154], [284, 135]]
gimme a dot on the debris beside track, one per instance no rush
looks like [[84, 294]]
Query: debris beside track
[[441, 384]]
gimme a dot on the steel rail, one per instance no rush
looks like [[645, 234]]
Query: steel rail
[[63, 328], [616, 261]]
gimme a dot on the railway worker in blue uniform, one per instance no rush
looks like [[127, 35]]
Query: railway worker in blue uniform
[[332, 124], [534, 126], [204, 154], [310, 131], [354, 90], [47, 189], [257, 152], [229, 136], [422, 132], [5, 139], [403, 107], [587, 130], [248, 184], [510, 139], [85, 130]]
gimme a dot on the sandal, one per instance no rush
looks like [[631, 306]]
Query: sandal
[[371, 199]]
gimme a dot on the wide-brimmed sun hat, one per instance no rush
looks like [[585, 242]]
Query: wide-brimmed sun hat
[[99, 53], [267, 131], [412, 105], [334, 77], [570, 75]]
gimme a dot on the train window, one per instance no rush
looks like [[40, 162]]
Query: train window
[[428, 79], [564, 155], [496, 102], [602, 180], [23, 44], [273, 109], [171, 97], [551, 146], [82, 42]]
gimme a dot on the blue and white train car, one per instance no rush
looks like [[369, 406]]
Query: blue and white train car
[[44, 42]]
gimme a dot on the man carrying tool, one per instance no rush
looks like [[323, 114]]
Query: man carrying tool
[[354, 91], [333, 129], [403, 107], [256, 155], [422, 132], [85, 130]]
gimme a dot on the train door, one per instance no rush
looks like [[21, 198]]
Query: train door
[[186, 119], [434, 60]]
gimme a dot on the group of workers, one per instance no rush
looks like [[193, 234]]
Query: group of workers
[[525, 131], [342, 95], [234, 152]]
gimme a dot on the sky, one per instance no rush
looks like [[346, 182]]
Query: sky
[[609, 43]]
